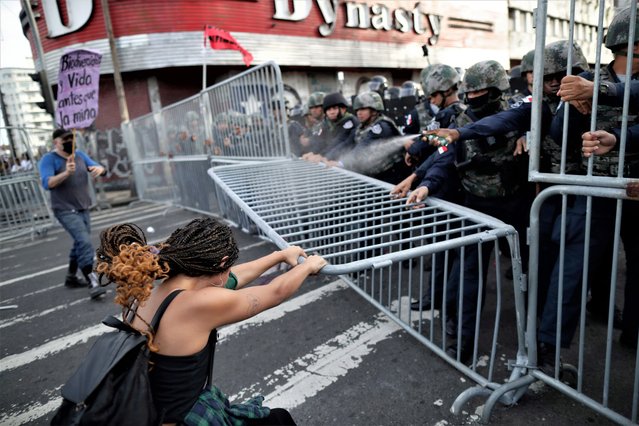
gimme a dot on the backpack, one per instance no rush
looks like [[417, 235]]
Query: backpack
[[112, 386]]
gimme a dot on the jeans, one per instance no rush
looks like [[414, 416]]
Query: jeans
[[78, 224]]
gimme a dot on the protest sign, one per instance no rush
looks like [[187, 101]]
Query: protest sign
[[78, 87]]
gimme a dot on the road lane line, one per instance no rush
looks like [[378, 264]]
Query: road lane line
[[24, 317], [284, 308], [30, 413], [311, 373], [12, 362], [57, 268], [37, 410]]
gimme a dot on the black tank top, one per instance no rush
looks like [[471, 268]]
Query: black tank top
[[177, 381]]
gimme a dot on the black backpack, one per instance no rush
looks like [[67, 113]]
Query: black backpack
[[111, 386]]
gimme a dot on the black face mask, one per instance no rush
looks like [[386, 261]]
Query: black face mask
[[484, 105], [67, 146]]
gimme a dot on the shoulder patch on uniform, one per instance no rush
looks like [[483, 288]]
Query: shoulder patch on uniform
[[519, 102], [348, 125], [409, 120], [377, 129]]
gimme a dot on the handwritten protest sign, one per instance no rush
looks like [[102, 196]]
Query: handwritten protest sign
[[78, 86]]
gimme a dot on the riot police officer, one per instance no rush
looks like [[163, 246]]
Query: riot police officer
[[440, 88], [339, 125], [493, 182], [370, 151], [609, 120]]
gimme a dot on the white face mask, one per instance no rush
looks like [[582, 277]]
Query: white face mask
[[434, 108], [621, 77]]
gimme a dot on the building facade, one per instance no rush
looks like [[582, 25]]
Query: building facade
[[160, 44], [20, 98]]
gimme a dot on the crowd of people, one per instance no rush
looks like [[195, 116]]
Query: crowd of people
[[11, 166], [462, 139], [471, 149]]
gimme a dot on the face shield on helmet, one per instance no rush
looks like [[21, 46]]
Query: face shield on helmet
[[378, 84]]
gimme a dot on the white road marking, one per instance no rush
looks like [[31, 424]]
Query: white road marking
[[58, 268], [313, 372], [286, 307], [12, 362], [30, 413], [24, 317], [38, 410]]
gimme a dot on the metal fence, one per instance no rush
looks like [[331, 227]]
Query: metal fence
[[576, 225], [24, 207], [392, 255], [240, 119]]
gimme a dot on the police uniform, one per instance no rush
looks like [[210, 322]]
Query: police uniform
[[602, 225], [493, 182], [338, 135]]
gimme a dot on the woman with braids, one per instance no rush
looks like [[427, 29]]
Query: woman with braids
[[199, 260]]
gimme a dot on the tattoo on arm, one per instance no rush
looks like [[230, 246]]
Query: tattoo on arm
[[254, 304]]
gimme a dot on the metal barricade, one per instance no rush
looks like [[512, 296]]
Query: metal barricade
[[241, 118], [24, 205], [382, 249], [576, 225]]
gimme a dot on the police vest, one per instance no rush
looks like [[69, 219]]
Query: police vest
[[486, 166], [608, 118]]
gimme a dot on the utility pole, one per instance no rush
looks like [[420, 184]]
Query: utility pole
[[5, 118], [44, 80], [117, 77]]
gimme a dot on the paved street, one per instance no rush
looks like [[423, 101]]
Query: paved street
[[326, 354]]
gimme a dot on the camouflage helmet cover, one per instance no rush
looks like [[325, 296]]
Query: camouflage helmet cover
[[619, 29], [368, 100], [527, 62], [556, 57], [485, 74], [439, 78], [316, 99]]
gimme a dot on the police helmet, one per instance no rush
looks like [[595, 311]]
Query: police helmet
[[368, 100], [297, 110], [378, 84], [527, 62], [485, 74], [409, 89], [392, 93], [439, 78], [316, 99], [617, 36], [556, 58], [334, 99]]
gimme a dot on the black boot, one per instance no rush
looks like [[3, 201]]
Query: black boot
[[95, 290], [72, 280], [465, 350]]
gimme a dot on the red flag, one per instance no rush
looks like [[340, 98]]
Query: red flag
[[220, 39]]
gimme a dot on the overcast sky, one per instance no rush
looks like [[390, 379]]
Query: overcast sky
[[14, 47]]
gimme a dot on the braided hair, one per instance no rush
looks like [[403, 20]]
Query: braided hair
[[198, 249]]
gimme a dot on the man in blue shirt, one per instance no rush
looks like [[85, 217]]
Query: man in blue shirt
[[65, 172]]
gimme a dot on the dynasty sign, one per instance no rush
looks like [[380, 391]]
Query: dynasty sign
[[361, 15]]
